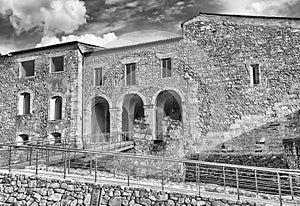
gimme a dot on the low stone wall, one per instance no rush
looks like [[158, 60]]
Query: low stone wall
[[16, 189], [257, 160]]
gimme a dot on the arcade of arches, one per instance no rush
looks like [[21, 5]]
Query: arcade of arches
[[132, 116]]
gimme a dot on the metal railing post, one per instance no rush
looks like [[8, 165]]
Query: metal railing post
[[162, 175], [65, 163], [256, 183], [91, 164], [237, 183], [9, 160], [128, 177], [291, 186], [36, 161], [69, 162], [96, 169], [114, 166], [109, 141], [279, 188], [47, 160], [198, 180], [224, 179], [30, 156], [95, 142]]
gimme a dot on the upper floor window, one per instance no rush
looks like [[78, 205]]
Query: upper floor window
[[130, 74], [56, 108], [98, 77], [57, 64], [27, 68], [166, 67], [24, 104], [255, 73]]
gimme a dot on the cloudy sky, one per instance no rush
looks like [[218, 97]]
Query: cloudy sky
[[30, 23]]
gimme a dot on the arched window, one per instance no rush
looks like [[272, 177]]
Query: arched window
[[24, 103], [56, 108]]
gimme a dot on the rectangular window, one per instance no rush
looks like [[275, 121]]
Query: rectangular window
[[98, 77], [255, 74], [130, 74], [24, 104], [27, 69], [57, 64], [166, 67]]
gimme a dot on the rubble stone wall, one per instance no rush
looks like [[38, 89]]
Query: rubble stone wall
[[23, 190]]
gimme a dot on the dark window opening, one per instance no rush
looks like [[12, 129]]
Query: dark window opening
[[166, 68], [57, 137], [25, 138], [57, 108], [255, 73], [57, 64], [98, 77], [25, 104], [27, 68], [130, 74]]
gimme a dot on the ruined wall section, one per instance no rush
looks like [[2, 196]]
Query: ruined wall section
[[232, 44], [42, 87]]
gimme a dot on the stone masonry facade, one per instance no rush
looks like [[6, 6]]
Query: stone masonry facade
[[234, 85]]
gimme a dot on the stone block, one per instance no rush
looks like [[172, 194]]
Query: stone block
[[3, 197], [55, 197], [87, 199], [115, 201]]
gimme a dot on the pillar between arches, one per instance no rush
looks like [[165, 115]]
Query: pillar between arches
[[115, 120], [149, 118]]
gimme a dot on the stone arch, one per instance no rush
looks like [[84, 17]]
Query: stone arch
[[132, 111], [168, 104], [174, 90], [121, 100], [99, 118]]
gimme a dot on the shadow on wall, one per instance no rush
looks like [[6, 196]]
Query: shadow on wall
[[264, 139]]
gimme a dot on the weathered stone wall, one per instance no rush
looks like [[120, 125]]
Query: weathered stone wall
[[149, 81], [42, 87], [23, 190], [236, 106], [7, 100], [211, 72]]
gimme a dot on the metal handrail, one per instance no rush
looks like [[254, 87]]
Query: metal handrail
[[152, 157], [267, 180]]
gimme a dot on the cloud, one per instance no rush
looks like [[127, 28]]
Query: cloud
[[275, 8], [151, 14], [52, 16], [86, 38], [6, 46], [138, 37]]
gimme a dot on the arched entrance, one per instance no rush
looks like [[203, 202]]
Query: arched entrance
[[168, 109], [100, 118], [132, 112]]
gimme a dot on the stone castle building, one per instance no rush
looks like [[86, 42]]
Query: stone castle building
[[230, 82]]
